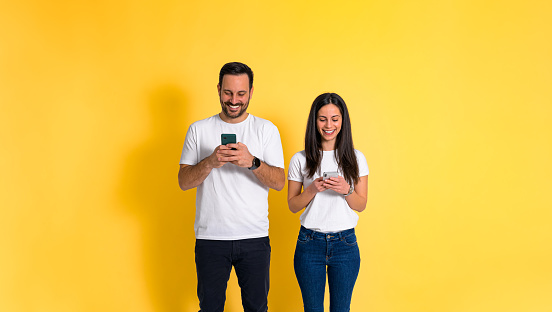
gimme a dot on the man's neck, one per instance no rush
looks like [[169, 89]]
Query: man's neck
[[233, 120]]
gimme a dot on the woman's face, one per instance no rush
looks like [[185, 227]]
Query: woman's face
[[328, 123]]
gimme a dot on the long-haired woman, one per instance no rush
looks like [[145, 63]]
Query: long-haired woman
[[330, 179]]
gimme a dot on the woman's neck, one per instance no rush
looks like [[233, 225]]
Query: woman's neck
[[328, 146]]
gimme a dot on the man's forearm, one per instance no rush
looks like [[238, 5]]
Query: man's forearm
[[272, 177], [192, 176]]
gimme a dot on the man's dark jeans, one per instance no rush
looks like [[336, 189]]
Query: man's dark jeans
[[251, 260]]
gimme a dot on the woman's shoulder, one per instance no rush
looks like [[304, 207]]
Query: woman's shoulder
[[299, 156], [361, 160], [359, 153], [296, 166], [360, 156]]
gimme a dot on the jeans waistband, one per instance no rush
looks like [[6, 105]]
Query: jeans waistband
[[320, 235]]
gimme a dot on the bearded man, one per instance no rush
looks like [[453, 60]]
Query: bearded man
[[232, 181]]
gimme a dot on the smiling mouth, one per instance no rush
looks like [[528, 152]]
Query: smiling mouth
[[329, 132], [233, 108]]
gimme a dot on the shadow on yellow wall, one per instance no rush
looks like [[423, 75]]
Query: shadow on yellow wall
[[166, 214]]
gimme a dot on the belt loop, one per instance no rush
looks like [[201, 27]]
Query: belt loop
[[308, 232]]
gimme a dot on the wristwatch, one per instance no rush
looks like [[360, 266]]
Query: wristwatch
[[351, 190], [256, 163]]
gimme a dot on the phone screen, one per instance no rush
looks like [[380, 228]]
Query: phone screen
[[227, 138]]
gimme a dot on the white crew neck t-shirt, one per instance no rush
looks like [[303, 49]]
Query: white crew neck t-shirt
[[328, 211], [232, 203]]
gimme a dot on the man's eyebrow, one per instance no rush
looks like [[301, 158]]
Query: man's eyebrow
[[228, 90]]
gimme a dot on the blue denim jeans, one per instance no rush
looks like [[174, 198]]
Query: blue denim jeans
[[335, 252], [251, 261]]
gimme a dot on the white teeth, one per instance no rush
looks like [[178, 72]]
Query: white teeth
[[234, 106], [329, 132]]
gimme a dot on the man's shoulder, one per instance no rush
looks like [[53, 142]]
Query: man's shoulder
[[262, 123], [209, 121]]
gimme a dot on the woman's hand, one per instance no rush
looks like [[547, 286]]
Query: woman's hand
[[317, 186], [337, 184]]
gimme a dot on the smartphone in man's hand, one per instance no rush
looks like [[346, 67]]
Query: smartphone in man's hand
[[227, 138]]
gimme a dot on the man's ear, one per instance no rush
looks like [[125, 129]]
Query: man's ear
[[218, 89], [251, 92]]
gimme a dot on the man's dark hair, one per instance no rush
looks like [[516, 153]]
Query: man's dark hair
[[236, 68], [344, 148]]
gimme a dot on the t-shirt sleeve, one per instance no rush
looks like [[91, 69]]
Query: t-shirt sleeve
[[189, 151], [362, 164], [273, 153], [295, 171]]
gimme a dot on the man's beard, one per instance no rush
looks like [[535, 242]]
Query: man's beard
[[238, 114]]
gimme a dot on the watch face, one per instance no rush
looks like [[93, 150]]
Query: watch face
[[256, 163]]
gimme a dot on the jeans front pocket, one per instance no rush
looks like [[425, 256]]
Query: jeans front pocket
[[303, 238], [349, 240]]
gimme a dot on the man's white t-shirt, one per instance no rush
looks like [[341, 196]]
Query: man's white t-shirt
[[328, 211], [232, 203]]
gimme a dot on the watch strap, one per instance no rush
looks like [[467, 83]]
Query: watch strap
[[351, 190]]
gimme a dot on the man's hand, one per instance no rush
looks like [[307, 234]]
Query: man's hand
[[239, 157], [215, 159]]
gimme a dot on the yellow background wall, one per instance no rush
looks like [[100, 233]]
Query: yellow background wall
[[450, 102]]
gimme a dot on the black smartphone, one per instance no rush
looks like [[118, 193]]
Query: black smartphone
[[227, 138]]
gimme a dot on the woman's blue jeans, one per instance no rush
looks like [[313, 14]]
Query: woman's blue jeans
[[335, 252]]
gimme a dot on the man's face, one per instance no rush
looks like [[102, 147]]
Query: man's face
[[234, 97]]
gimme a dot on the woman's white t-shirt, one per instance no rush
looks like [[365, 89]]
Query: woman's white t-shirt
[[328, 211]]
